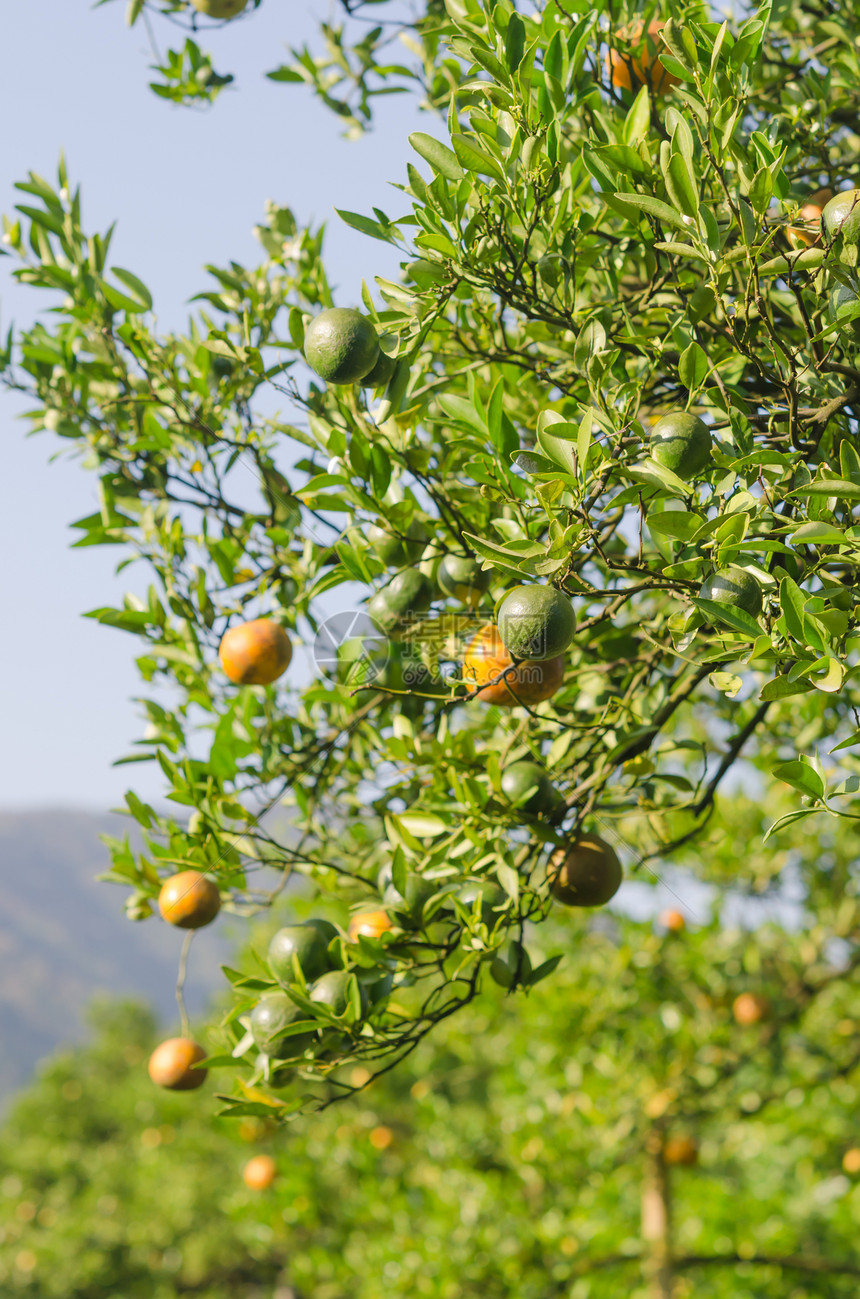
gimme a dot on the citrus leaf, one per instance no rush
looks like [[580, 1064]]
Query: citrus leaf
[[439, 156], [801, 776]]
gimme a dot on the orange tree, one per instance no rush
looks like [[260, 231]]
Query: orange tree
[[605, 374], [616, 1131]]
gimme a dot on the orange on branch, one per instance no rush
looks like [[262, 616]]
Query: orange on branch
[[802, 236], [189, 900], [370, 923], [529, 683], [587, 873], [171, 1065], [680, 1151], [636, 63], [673, 921], [255, 653], [750, 1008], [259, 1172]]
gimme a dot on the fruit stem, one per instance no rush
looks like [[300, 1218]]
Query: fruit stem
[[656, 1220], [180, 983]]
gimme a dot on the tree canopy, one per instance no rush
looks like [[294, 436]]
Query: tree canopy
[[609, 233]]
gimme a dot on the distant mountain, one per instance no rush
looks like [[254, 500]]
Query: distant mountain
[[65, 938]]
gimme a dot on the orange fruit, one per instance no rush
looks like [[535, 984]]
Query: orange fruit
[[587, 873], [750, 1008], [189, 900], [636, 64], [219, 8], [680, 1150], [381, 1138], [673, 921], [172, 1063], [369, 923], [851, 1161], [255, 653], [810, 214], [259, 1172], [529, 683]]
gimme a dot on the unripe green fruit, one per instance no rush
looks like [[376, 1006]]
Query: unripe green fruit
[[585, 874], [396, 550], [270, 1016], [734, 587], [219, 8], [681, 442], [841, 216], [380, 375], [523, 776], [331, 991], [536, 622], [463, 579], [407, 594], [307, 943], [341, 345], [840, 298]]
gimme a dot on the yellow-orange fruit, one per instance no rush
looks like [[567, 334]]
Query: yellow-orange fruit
[[172, 1063], [680, 1151], [636, 64], [673, 921], [189, 900], [255, 653], [381, 1138], [810, 232], [369, 923], [259, 1172], [851, 1161], [529, 683], [750, 1008]]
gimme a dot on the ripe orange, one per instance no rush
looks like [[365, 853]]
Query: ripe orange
[[587, 873], [750, 1008], [255, 653], [172, 1063], [810, 214], [369, 923], [851, 1161], [381, 1138], [259, 1172], [636, 63], [682, 1151], [529, 683], [189, 900], [673, 921]]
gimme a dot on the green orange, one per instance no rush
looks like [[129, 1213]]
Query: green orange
[[396, 548], [271, 1015], [463, 578], [380, 375], [307, 944], [341, 345], [735, 588], [407, 594], [536, 622], [841, 216], [586, 873], [219, 8], [332, 990], [681, 442], [528, 787]]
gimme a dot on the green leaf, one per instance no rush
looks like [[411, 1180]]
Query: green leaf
[[814, 531], [515, 42], [788, 819], [136, 286], [739, 619], [367, 226], [801, 776], [839, 487], [439, 156], [674, 523], [475, 159], [781, 688], [656, 208], [693, 367]]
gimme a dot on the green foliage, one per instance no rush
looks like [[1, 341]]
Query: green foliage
[[578, 261], [507, 1157]]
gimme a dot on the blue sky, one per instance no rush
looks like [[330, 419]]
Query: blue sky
[[185, 188]]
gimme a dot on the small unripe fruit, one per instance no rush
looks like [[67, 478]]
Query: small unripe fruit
[[587, 873]]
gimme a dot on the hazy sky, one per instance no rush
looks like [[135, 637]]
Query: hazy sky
[[185, 188]]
